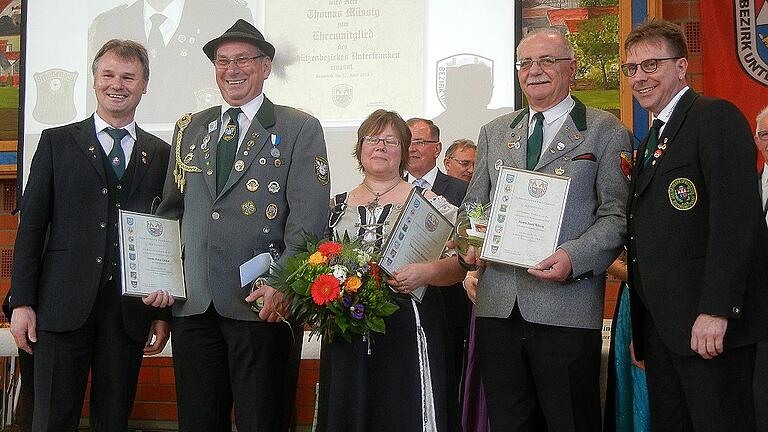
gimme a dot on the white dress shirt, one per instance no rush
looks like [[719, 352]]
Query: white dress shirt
[[429, 177], [666, 113], [172, 14], [106, 140], [764, 188], [553, 121], [243, 121]]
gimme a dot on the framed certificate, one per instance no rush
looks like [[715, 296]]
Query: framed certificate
[[419, 236], [150, 252], [525, 218]]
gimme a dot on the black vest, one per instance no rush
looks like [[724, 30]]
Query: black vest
[[118, 195]]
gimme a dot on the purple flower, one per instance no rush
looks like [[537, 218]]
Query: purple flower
[[346, 301], [357, 311]]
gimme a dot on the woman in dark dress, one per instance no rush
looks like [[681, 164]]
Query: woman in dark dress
[[394, 381]]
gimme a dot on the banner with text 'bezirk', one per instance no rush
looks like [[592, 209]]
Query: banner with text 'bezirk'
[[734, 37]]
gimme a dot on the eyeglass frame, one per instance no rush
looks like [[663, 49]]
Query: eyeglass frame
[[421, 143], [464, 163], [368, 140], [625, 66], [240, 62], [520, 67], [762, 135]]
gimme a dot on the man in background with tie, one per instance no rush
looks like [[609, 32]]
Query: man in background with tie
[[173, 31], [423, 172], [67, 308], [248, 177], [761, 361], [538, 329], [697, 242]]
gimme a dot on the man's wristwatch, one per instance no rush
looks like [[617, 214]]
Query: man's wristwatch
[[465, 265]]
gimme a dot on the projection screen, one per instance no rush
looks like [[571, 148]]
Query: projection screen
[[447, 60]]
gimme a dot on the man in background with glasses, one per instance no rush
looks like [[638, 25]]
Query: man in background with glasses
[[423, 172], [538, 329], [460, 159], [246, 178], [696, 252]]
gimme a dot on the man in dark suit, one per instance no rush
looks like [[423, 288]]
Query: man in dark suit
[[761, 361], [696, 251], [423, 172], [173, 32], [66, 299], [249, 177]]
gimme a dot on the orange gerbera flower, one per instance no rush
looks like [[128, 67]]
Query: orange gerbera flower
[[352, 284], [317, 258], [325, 289]]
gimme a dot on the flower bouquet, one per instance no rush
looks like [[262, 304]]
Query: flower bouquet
[[471, 228], [337, 288]]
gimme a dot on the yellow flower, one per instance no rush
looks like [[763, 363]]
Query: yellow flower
[[317, 258], [352, 284]]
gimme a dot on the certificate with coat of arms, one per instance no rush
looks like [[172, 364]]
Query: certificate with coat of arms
[[150, 255], [525, 218], [419, 236]]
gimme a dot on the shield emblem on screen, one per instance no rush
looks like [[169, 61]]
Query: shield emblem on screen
[[342, 95], [55, 102], [448, 70], [207, 97]]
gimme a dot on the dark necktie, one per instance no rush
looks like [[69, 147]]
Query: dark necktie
[[535, 141], [226, 149], [653, 141], [117, 155], [155, 42]]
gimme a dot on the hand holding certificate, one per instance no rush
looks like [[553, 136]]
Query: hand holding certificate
[[525, 218], [150, 249], [419, 236]]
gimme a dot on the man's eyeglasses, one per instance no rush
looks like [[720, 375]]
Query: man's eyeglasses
[[762, 135], [241, 62], [463, 163], [545, 62], [648, 66], [372, 141], [421, 142]]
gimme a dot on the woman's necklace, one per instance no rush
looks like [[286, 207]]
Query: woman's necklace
[[375, 202]]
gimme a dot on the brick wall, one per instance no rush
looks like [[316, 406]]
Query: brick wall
[[8, 225], [685, 13]]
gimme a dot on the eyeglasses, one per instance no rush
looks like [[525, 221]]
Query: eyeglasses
[[648, 66], [463, 163], [421, 142], [373, 141], [762, 135], [241, 62], [545, 62]]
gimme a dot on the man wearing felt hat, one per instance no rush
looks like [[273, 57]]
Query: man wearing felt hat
[[245, 178]]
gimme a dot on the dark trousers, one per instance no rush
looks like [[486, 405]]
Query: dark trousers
[[689, 393], [220, 363], [761, 386], [455, 359], [539, 377], [22, 416], [63, 360]]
